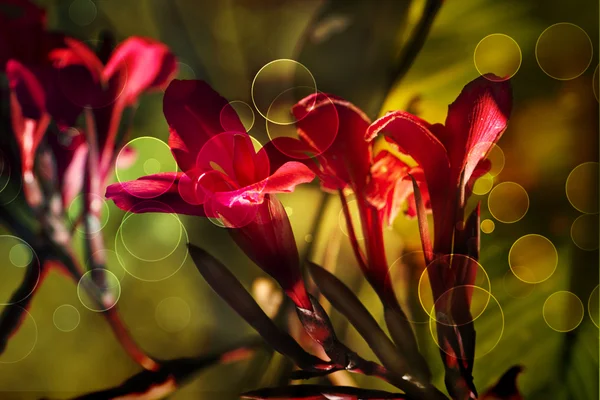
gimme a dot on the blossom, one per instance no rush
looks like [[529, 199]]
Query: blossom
[[451, 157], [452, 154], [223, 177], [74, 79]]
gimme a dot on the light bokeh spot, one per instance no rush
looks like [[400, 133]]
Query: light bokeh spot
[[66, 318], [533, 258], [582, 187], [493, 324], [83, 12], [487, 226], [240, 108], [584, 232], [20, 255], [508, 202], [498, 54], [563, 311], [99, 298], [173, 314], [152, 156], [277, 86], [564, 51]]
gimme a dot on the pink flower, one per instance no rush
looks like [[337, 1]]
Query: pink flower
[[223, 177]]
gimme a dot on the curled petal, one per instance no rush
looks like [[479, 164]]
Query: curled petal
[[475, 121], [346, 161], [413, 136], [161, 189], [193, 110], [387, 188], [29, 117], [144, 63]]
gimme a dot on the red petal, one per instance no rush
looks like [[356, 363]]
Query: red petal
[[346, 161], [72, 179], [193, 112], [238, 207], [414, 137], [388, 189], [144, 63], [475, 121], [269, 242], [161, 189], [28, 111]]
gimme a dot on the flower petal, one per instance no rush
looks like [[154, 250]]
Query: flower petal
[[387, 188], [193, 111], [28, 111], [475, 121], [269, 241], [152, 193], [347, 160], [413, 136], [144, 63]]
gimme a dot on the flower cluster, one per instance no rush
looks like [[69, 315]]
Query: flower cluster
[[67, 105], [225, 176]]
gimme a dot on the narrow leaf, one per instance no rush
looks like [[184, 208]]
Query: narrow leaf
[[346, 302], [224, 283]]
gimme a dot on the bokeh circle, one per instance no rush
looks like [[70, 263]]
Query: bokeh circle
[[564, 51], [498, 54], [278, 77], [160, 251], [95, 298], [563, 311], [584, 232], [534, 254], [451, 270], [494, 324], [508, 202], [582, 187], [238, 108], [66, 318], [151, 156], [173, 314]]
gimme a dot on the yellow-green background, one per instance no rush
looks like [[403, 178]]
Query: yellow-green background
[[554, 128]]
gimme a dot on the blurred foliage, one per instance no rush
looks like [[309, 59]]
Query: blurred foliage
[[553, 129]]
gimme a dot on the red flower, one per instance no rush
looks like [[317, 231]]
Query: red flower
[[224, 177], [77, 79], [451, 155], [136, 66]]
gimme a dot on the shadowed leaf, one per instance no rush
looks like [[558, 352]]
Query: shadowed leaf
[[231, 290]]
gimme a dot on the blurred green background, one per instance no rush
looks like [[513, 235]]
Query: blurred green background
[[351, 48]]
